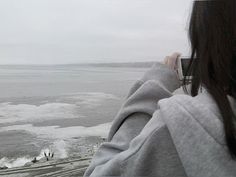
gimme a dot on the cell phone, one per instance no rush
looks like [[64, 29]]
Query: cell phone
[[182, 64]]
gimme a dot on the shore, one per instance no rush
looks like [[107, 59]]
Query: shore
[[69, 167], [63, 109]]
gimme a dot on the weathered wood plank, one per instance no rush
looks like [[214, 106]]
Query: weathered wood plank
[[56, 168]]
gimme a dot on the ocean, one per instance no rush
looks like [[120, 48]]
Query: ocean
[[64, 109]]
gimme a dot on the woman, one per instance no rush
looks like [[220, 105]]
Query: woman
[[160, 134]]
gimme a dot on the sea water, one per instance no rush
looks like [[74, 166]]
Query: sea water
[[62, 109]]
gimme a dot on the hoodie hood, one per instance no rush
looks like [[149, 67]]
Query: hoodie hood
[[197, 131]]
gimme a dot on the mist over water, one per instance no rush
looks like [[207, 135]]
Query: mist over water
[[64, 109]]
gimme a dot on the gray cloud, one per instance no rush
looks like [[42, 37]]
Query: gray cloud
[[74, 31]]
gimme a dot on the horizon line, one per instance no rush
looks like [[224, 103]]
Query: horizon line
[[84, 63]]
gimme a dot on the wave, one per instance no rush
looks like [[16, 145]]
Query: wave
[[62, 139], [55, 132], [90, 99], [25, 112], [63, 107], [10, 163], [59, 148]]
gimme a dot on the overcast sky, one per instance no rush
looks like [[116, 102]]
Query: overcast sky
[[75, 31]]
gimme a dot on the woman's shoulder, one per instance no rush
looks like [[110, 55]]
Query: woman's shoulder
[[203, 102], [183, 112]]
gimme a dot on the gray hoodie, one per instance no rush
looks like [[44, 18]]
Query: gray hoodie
[[161, 133]]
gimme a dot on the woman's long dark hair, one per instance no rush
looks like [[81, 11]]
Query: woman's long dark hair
[[212, 36]]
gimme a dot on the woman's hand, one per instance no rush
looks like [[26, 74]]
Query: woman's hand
[[171, 61]]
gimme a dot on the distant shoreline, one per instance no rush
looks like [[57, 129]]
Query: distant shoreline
[[123, 64], [129, 64]]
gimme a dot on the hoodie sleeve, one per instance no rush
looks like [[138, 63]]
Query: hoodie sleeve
[[141, 102]]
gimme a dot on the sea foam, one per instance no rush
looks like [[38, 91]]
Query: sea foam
[[55, 132], [59, 148], [63, 107]]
